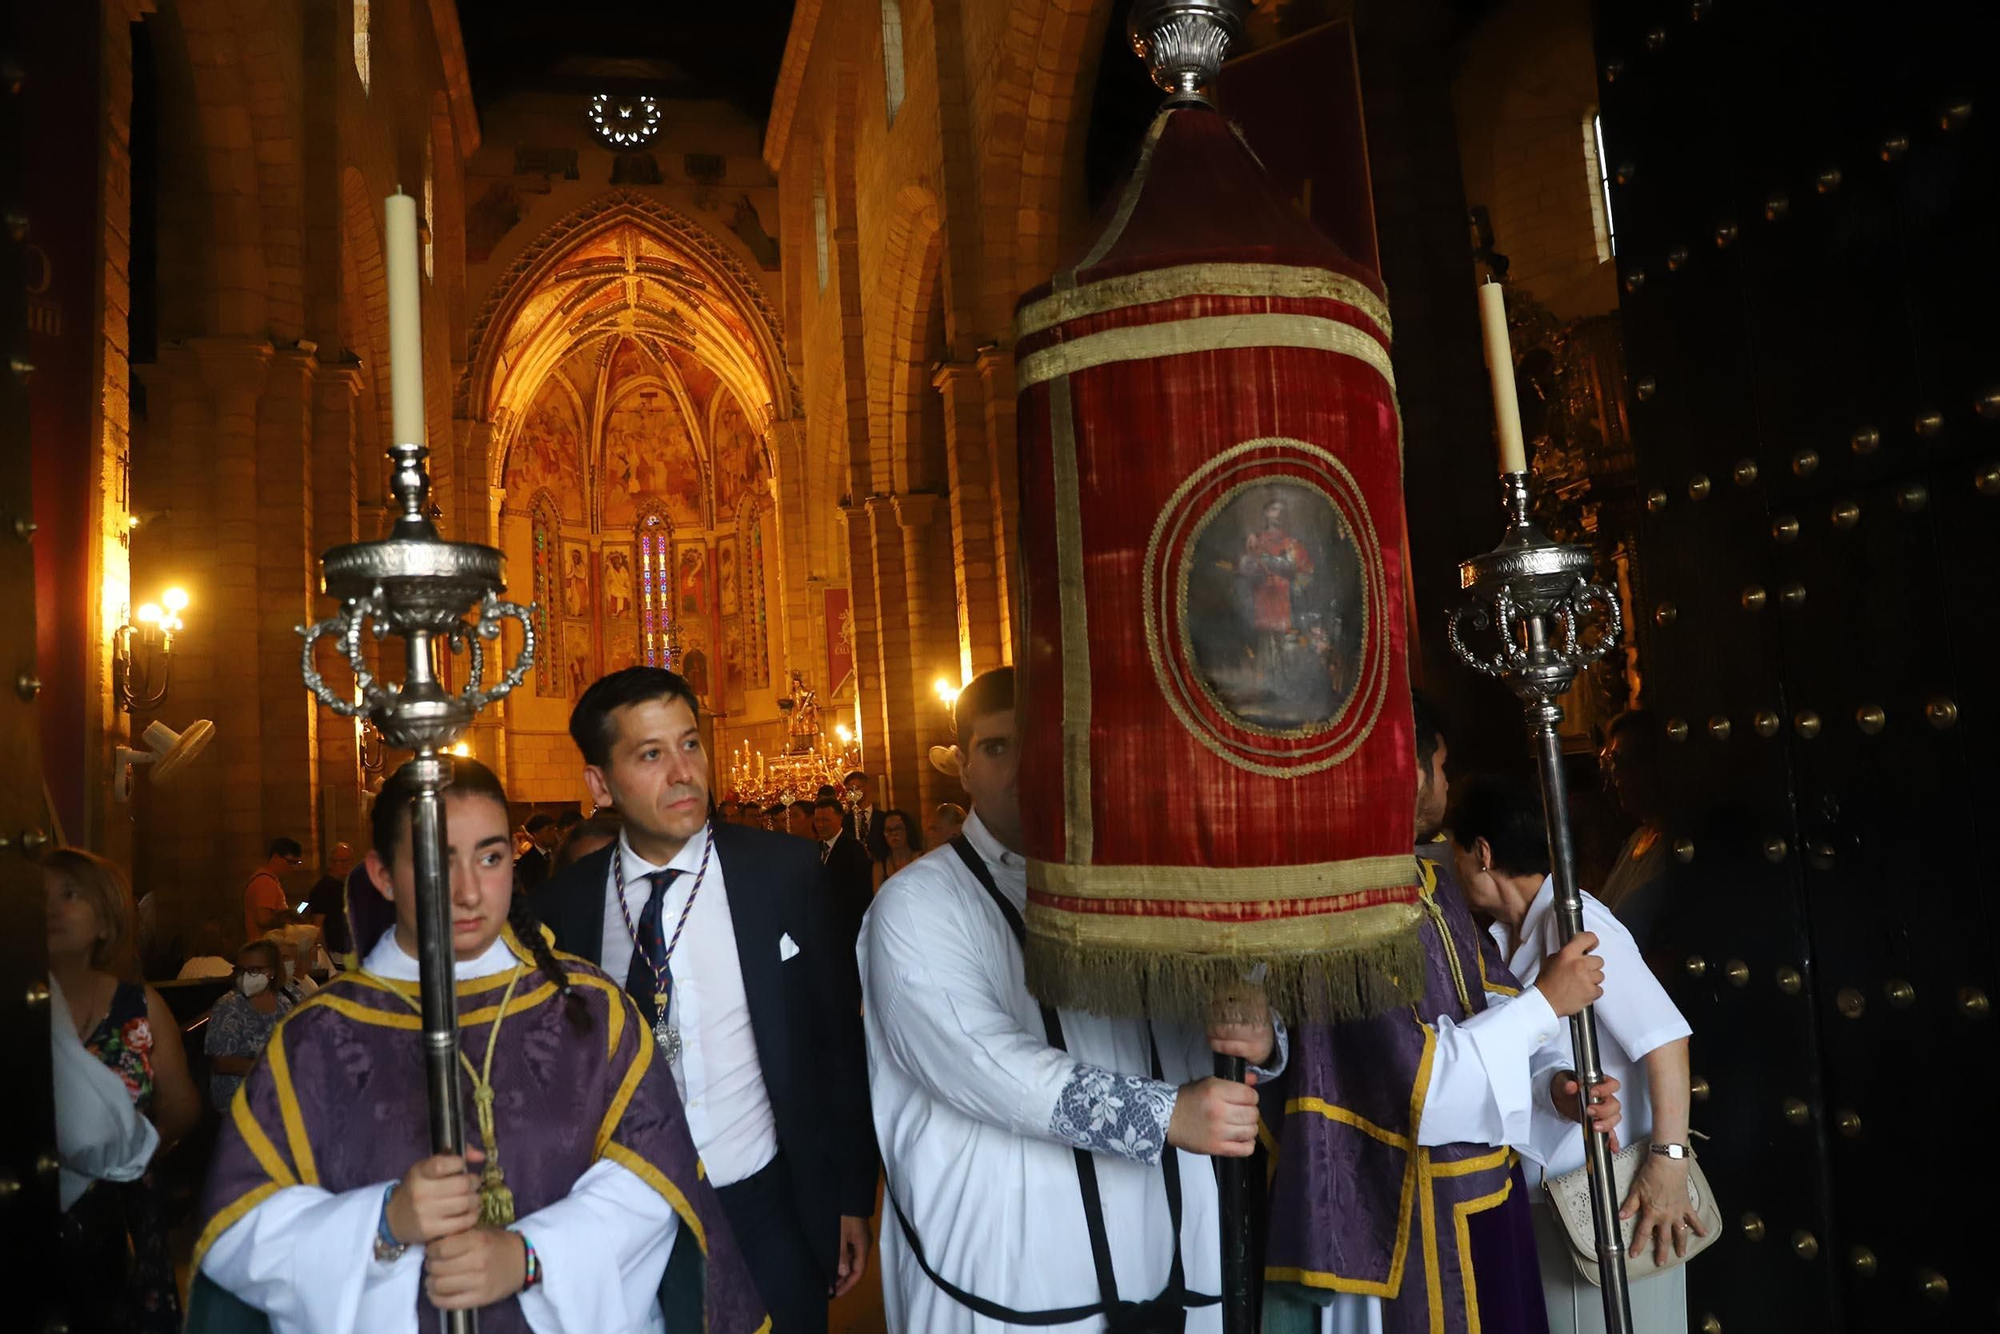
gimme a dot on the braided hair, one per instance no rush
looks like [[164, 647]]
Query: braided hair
[[389, 823]]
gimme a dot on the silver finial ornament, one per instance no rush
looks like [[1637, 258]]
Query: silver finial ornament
[[1183, 42], [416, 586]]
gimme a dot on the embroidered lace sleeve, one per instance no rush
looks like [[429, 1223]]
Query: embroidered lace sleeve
[[1104, 1112]]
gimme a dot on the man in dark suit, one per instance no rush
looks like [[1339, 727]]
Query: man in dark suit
[[532, 866], [730, 945], [864, 819], [850, 872]]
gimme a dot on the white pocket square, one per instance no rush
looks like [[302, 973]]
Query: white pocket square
[[787, 947]]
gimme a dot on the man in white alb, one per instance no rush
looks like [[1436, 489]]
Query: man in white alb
[[1031, 1171], [730, 945]]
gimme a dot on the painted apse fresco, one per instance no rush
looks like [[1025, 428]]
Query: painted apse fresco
[[638, 496]]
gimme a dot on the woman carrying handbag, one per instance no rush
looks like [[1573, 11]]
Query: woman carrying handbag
[[1500, 847]]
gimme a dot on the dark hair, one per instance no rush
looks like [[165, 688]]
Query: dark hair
[[729, 801], [1638, 722], [853, 774], [1430, 732], [827, 792], [389, 823], [569, 819], [1508, 815], [538, 822], [786, 811], [911, 829], [829, 804], [590, 724], [285, 847], [265, 948], [989, 692], [605, 824]]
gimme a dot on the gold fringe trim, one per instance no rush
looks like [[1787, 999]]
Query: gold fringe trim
[[1350, 983], [1224, 884]]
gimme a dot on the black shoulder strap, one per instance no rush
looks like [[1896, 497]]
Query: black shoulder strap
[[1176, 1294]]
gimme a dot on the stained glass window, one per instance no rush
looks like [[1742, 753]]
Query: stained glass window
[[757, 633], [544, 525], [657, 640], [819, 224], [361, 43], [892, 54]]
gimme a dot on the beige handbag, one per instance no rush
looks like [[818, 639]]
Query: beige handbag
[[1569, 1194]]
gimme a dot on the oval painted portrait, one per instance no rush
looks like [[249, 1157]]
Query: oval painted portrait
[[1273, 611]]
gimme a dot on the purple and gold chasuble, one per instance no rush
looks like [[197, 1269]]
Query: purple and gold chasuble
[[1441, 1234], [338, 1102]]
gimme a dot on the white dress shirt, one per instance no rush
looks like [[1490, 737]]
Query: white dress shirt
[[966, 1096], [1634, 1016], [720, 1078], [305, 1256]]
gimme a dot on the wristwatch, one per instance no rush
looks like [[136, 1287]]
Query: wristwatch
[[387, 1249], [1675, 1151]]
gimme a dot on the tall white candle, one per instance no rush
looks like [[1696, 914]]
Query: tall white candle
[[1500, 369], [406, 319]]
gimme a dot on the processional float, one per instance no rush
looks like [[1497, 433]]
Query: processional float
[[437, 597], [1211, 510]]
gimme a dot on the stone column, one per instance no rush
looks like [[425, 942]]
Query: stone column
[[996, 373], [976, 575], [206, 831], [793, 549], [935, 651], [287, 579], [335, 523], [858, 529], [896, 754]]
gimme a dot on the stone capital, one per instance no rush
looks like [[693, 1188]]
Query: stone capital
[[336, 383], [950, 376], [915, 509], [231, 365]]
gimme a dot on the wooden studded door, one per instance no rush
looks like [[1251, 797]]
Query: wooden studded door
[[1804, 204], [27, 1114]]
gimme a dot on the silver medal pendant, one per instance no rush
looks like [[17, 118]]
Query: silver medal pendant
[[668, 1037]]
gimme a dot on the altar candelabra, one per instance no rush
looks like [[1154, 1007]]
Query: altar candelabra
[[1546, 620], [421, 589]]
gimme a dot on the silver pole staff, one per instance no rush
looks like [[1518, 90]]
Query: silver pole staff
[[1537, 597], [1183, 43], [420, 588]]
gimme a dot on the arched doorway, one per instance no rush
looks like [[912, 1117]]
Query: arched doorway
[[629, 372]]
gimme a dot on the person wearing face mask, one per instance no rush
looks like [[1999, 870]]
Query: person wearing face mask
[[241, 1022]]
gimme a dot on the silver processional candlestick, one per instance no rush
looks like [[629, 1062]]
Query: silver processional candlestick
[[421, 589], [1550, 620]]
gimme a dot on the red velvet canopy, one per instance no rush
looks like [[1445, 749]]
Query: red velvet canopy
[[1217, 763]]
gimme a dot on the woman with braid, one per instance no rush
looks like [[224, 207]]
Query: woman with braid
[[325, 1209]]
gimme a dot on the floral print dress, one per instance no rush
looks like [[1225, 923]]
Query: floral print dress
[[135, 1289]]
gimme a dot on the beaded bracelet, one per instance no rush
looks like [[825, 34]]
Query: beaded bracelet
[[534, 1262]]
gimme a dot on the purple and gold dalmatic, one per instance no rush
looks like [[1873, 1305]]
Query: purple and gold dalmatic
[[1440, 1233], [337, 1101]]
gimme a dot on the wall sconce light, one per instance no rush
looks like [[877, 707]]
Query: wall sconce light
[[946, 691], [374, 755], [142, 652]]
